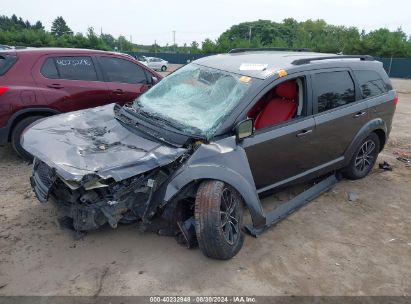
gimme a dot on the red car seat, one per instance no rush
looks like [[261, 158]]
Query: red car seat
[[281, 108]]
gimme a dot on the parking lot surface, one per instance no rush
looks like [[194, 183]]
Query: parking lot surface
[[353, 240]]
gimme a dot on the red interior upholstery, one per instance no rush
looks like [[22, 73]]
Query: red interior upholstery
[[281, 108], [287, 89]]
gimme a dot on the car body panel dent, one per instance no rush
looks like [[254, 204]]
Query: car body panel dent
[[93, 142]]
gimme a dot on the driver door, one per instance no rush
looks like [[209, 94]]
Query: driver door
[[280, 152]]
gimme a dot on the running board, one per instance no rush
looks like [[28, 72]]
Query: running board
[[285, 209]]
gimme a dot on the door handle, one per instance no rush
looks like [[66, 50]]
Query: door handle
[[55, 86], [359, 114], [304, 133], [118, 92]]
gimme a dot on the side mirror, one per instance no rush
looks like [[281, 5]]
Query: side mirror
[[244, 129], [154, 80]]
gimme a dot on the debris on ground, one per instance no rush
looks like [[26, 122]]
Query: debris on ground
[[241, 269], [405, 160], [385, 166], [2, 285], [352, 196]]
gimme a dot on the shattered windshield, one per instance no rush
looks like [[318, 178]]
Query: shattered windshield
[[194, 98]]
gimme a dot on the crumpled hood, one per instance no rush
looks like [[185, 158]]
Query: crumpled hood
[[92, 141]]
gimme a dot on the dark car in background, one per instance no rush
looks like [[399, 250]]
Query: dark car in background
[[213, 136], [39, 82]]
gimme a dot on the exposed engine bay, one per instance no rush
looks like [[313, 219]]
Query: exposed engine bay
[[98, 202]]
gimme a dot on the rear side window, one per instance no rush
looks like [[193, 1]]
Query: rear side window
[[6, 62], [121, 70], [71, 68], [49, 69], [370, 83], [334, 89]]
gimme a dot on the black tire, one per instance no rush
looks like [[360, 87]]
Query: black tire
[[364, 158], [16, 135], [217, 239], [163, 68]]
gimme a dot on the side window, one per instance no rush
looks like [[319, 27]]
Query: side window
[[49, 69], [283, 102], [121, 70], [334, 89], [75, 68], [370, 83]]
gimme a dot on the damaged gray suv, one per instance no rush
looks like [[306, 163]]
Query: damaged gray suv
[[210, 139]]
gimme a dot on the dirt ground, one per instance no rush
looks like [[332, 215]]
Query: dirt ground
[[333, 246]]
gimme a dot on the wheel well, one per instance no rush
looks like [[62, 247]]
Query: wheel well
[[381, 137], [25, 115], [189, 191]]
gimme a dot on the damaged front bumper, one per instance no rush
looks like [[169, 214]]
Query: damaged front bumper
[[107, 202]]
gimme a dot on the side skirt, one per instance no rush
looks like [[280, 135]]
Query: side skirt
[[285, 209]]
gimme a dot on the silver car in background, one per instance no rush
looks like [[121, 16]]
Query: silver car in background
[[154, 63]]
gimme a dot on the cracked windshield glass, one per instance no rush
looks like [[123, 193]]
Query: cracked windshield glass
[[195, 99]]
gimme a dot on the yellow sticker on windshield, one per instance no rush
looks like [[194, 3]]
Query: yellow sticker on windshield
[[245, 79]]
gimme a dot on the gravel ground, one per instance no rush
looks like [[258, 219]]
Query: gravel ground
[[333, 246]]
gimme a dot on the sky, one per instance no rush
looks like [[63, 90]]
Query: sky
[[147, 21]]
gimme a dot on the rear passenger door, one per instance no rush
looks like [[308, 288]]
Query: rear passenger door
[[339, 113], [126, 80], [70, 83]]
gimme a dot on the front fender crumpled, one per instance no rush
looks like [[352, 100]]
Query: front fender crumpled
[[225, 161]]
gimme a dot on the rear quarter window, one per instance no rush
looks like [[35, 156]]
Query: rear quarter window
[[49, 69], [371, 83], [6, 62]]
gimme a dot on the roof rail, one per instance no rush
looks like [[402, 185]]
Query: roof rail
[[308, 60], [242, 50]]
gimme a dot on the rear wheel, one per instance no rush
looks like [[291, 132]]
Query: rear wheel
[[219, 218], [364, 158], [16, 136], [163, 68]]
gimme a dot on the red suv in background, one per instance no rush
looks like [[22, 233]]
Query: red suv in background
[[39, 82]]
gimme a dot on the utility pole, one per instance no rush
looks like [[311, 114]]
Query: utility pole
[[155, 46], [131, 39], [174, 40], [249, 36]]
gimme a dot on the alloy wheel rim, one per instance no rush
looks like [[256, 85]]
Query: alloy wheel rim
[[365, 156], [229, 216]]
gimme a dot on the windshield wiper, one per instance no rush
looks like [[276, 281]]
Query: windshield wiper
[[164, 121]]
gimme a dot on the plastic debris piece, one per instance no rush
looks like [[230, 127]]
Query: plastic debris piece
[[404, 160], [385, 166], [352, 196]]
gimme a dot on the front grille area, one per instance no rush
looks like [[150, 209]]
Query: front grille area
[[42, 180]]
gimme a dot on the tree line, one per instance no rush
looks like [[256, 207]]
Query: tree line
[[17, 32], [316, 35]]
